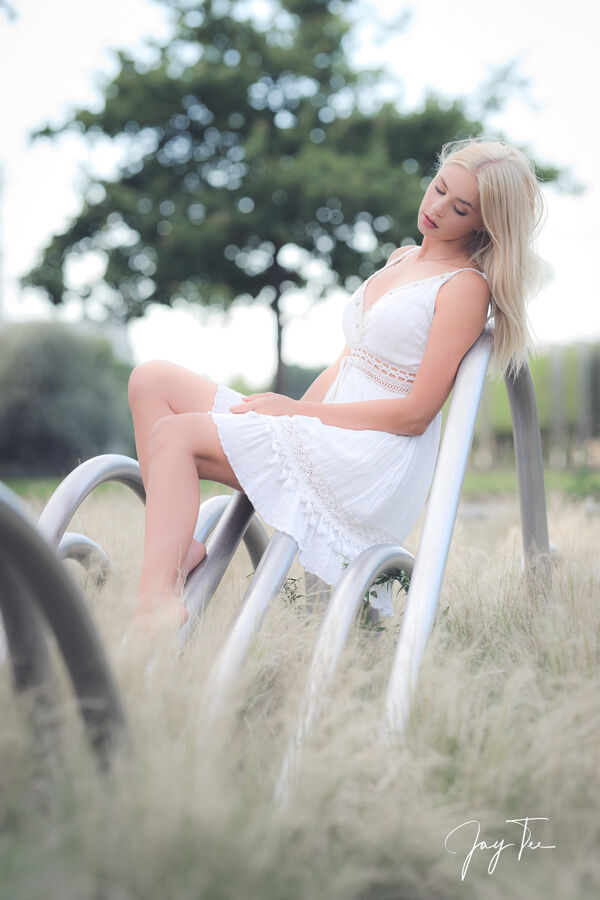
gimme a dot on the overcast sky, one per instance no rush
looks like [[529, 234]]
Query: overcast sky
[[55, 54]]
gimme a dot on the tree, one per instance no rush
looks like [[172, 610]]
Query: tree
[[63, 398], [8, 10], [248, 158]]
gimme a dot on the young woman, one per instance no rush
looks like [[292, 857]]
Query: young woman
[[350, 464]]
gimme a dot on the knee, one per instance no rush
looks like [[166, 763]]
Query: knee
[[145, 380], [182, 434]]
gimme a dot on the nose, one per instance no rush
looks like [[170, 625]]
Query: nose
[[438, 205]]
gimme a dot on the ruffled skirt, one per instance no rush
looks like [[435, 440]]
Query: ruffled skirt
[[336, 491]]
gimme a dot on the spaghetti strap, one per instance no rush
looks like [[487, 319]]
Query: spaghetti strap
[[468, 269], [416, 247]]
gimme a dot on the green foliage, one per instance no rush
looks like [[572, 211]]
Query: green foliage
[[291, 595], [63, 399], [578, 391], [584, 483], [299, 379], [8, 10], [239, 143], [580, 483]]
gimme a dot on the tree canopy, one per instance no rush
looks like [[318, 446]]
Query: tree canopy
[[249, 155]]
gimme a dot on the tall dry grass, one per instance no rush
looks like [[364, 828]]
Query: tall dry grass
[[505, 724]]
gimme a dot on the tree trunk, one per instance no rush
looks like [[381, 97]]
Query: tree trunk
[[279, 384]]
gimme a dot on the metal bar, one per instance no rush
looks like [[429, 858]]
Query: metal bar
[[86, 552], [530, 466], [255, 536], [437, 530], [209, 514], [256, 540], [239, 523], [64, 610], [24, 627], [70, 493], [27, 650], [333, 635], [263, 588], [235, 520]]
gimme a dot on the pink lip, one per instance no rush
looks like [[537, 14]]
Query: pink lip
[[428, 221]]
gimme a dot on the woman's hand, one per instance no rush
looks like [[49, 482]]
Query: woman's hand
[[268, 404]]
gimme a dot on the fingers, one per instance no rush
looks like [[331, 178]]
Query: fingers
[[258, 396], [243, 407], [249, 402]]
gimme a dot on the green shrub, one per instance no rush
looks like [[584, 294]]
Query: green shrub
[[63, 399]]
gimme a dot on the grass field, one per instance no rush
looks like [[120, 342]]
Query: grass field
[[577, 482], [505, 725]]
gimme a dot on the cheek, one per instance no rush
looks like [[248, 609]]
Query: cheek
[[426, 199]]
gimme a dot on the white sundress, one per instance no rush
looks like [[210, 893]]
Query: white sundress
[[336, 490]]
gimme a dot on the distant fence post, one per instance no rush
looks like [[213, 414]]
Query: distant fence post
[[584, 400], [559, 444]]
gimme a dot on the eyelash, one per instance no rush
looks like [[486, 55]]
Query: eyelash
[[457, 211]]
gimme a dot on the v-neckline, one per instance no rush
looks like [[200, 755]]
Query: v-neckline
[[400, 287], [364, 312]]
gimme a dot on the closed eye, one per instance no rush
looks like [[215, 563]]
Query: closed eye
[[455, 208]]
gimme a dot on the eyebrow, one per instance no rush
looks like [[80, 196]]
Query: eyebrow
[[466, 202]]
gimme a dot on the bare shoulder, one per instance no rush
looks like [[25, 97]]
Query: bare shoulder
[[399, 253], [466, 284], [462, 304]]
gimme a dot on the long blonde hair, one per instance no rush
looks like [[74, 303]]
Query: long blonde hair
[[512, 208]]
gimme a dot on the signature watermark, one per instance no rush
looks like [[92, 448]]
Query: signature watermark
[[468, 834]]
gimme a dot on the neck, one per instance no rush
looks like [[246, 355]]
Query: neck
[[441, 251]]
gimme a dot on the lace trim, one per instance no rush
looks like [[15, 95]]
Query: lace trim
[[323, 494], [381, 372]]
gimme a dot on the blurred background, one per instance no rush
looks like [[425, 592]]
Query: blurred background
[[207, 181]]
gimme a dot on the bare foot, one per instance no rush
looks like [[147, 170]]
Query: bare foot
[[193, 557], [156, 610]]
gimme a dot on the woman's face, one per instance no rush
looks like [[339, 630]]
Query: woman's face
[[450, 208]]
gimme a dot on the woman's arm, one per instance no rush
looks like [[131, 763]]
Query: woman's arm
[[460, 315]]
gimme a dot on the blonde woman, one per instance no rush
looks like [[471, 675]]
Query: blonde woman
[[350, 464]]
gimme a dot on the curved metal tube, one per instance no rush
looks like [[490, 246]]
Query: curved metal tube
[[24, 627], [70, 493], [333, 635], [240, 512], [233, 518], [86, 552], [56, 596], [241, 522], [530, 465], [439, 521], [263, 588], [209, 514]]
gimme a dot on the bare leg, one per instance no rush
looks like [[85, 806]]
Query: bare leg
[[158, 389], [180, 449]]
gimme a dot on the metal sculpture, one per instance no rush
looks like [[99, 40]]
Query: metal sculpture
[[36, 594], [223, 522]]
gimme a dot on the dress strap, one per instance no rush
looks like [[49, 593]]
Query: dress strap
[[450, 274], [467, 269]]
